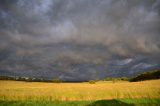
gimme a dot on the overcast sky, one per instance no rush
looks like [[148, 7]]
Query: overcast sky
[[123, 27], [120, 25]]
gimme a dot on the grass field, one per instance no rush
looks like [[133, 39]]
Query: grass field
[[16, 93], [114, 102]]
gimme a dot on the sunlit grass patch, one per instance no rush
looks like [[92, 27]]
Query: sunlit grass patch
[[17, 90]]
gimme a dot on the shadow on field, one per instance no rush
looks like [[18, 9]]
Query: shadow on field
[[113, 102]]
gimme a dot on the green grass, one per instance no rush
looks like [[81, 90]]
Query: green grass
[[113, 102]]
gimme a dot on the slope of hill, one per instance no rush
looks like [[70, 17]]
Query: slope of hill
[[147, 76]]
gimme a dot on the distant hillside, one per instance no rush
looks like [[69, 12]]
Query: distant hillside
[[147, 76]]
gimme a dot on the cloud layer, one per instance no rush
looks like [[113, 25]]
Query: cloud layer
[[68, 32]]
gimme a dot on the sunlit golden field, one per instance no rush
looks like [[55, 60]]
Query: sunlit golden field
[[17, 90]]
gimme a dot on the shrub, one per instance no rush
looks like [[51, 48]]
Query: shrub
[[56, 80], [108, 79], [92, 81], [124, 79], [114, 80]]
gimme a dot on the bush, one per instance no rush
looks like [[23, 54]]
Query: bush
[[56, 81], [116, 79], [92, 81], [124, 79], [108, 79]]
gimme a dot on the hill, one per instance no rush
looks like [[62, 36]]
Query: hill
[[147, 76]]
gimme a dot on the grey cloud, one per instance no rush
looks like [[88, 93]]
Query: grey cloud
[[81, 31]]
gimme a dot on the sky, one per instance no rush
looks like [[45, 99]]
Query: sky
[[79, 39]]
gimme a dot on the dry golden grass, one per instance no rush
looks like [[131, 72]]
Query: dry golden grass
[[17, 90]]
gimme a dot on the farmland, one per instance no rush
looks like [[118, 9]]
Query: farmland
[[13, 92]]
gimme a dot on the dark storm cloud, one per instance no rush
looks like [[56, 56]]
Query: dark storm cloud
[[86, 31], [122, 24]]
